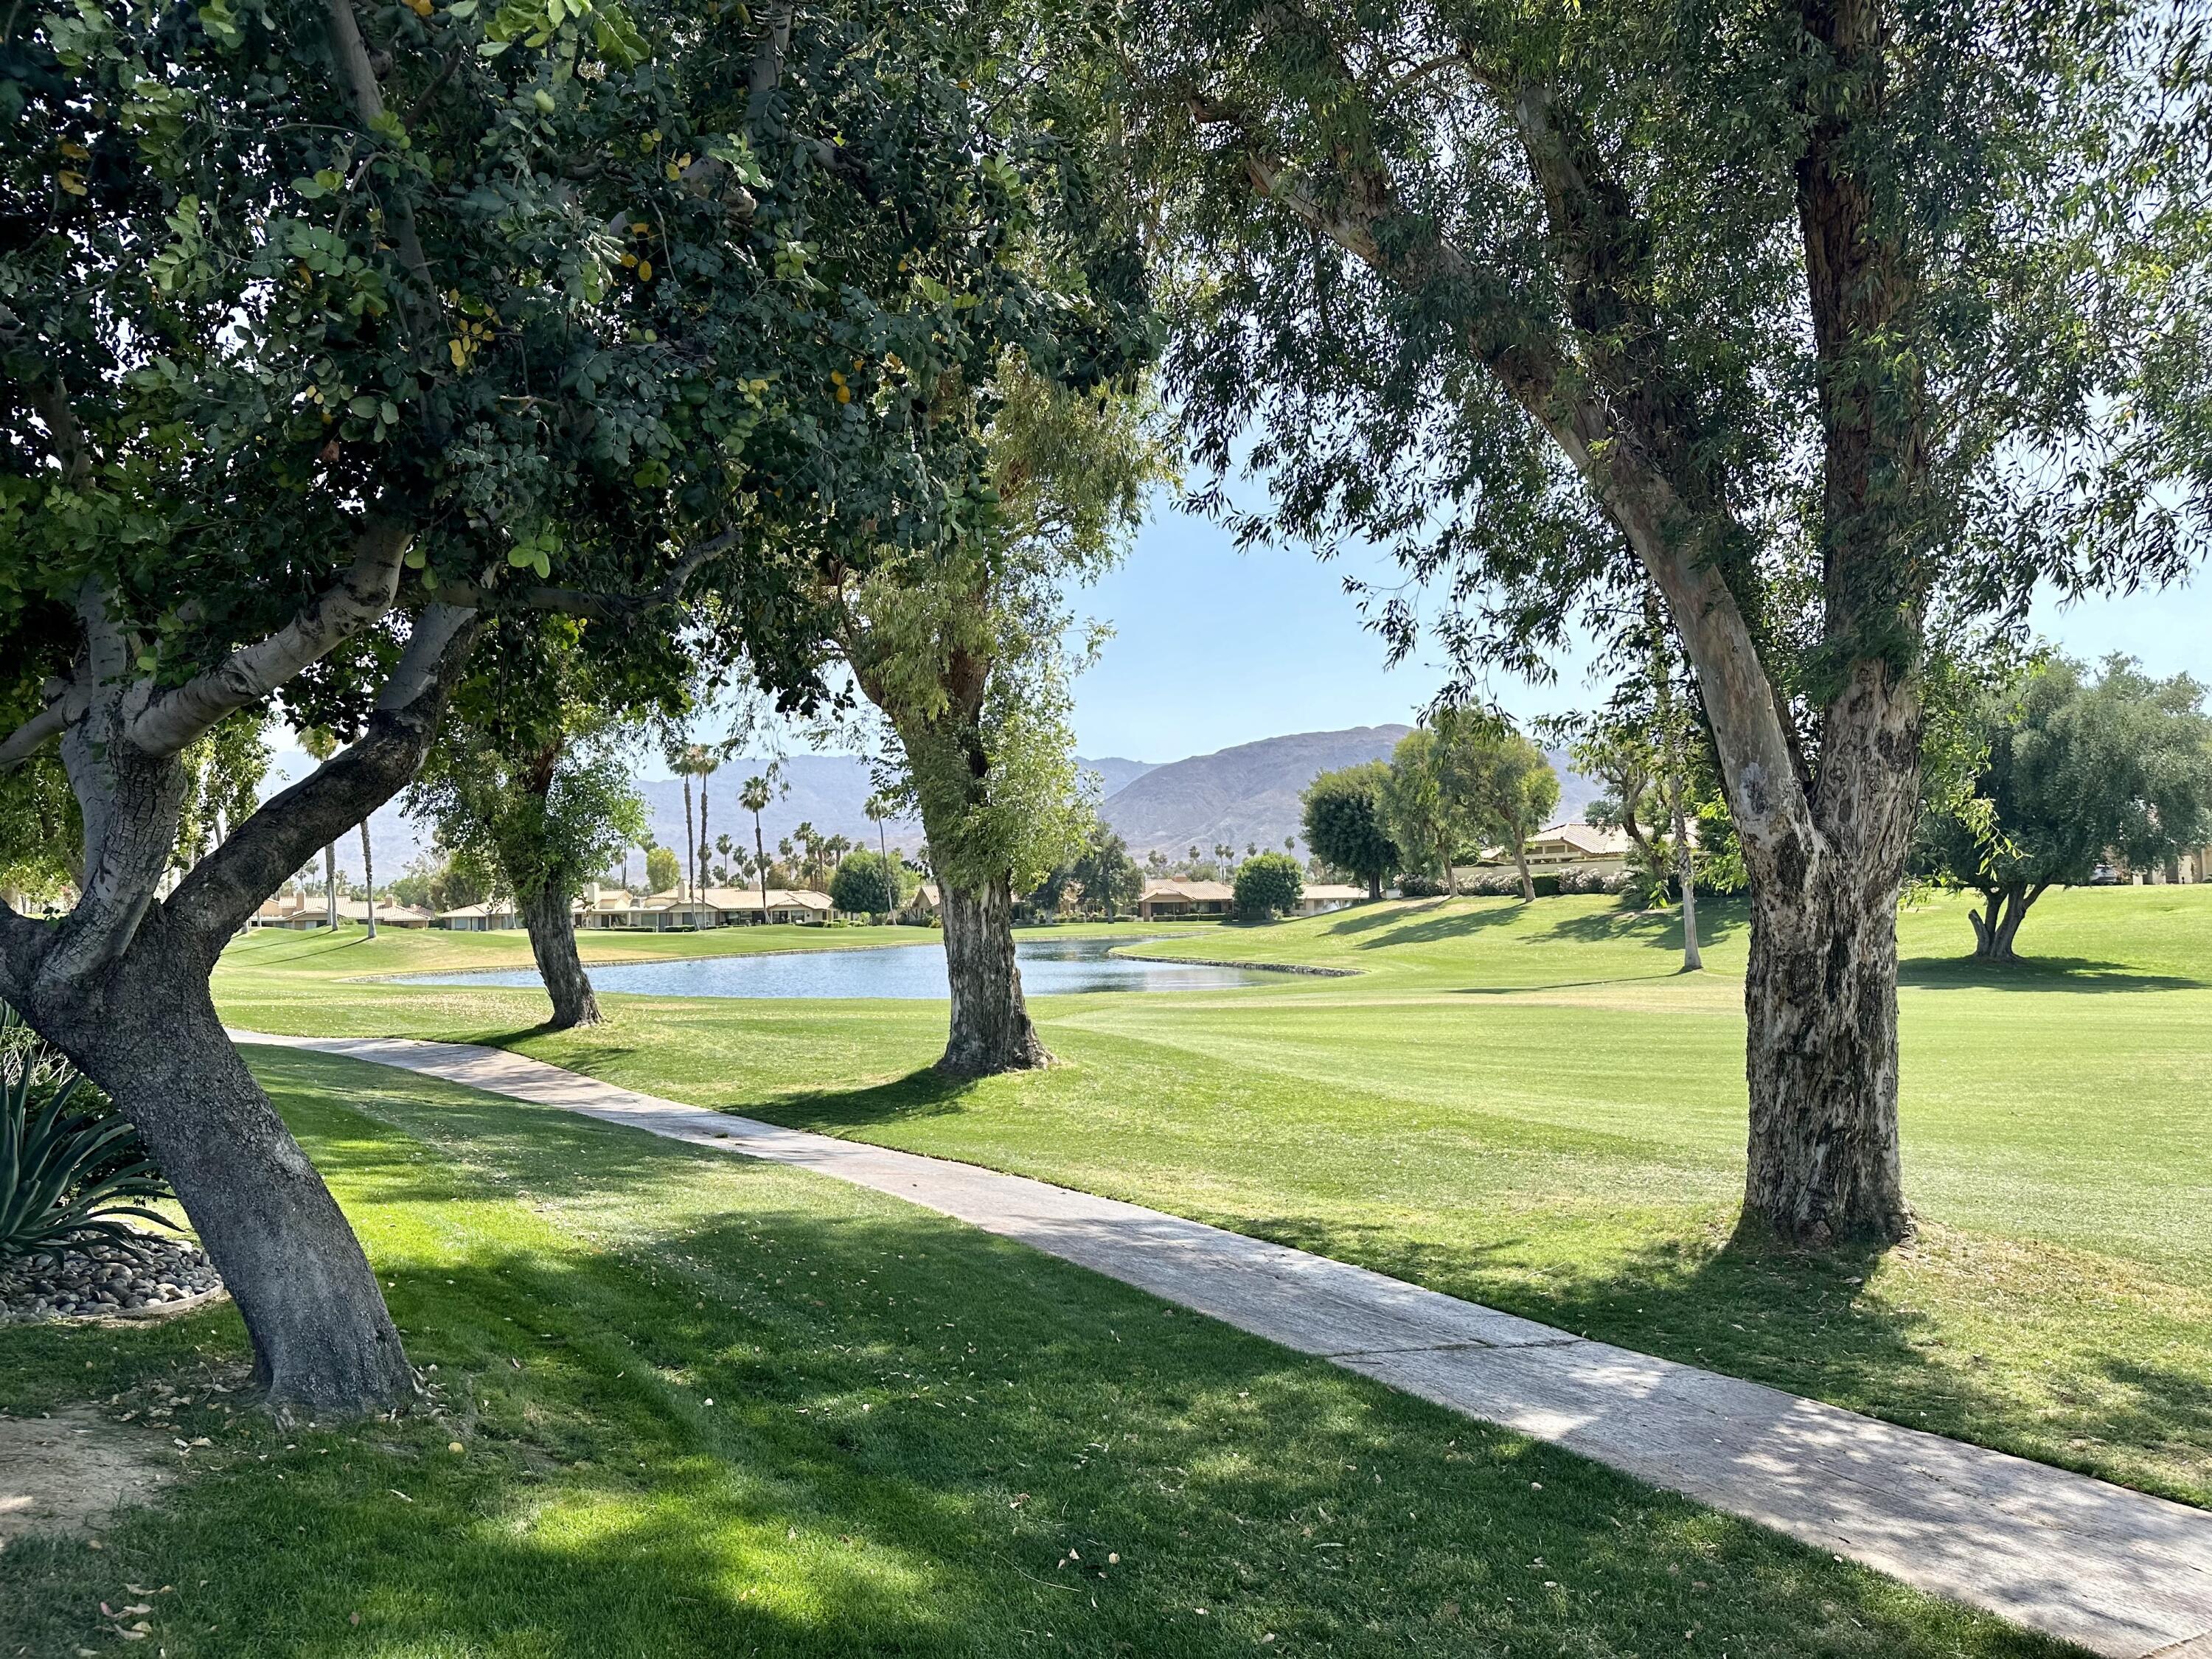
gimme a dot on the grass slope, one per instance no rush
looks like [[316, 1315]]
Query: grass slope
[[704, 1406], [1526, 1105]]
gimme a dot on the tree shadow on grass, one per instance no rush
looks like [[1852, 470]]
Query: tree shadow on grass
[[1719, 922], [1439, 924], [924, 1093], [2074, 974], [754, 1411]]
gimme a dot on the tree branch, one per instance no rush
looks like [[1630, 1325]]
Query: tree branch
[[598, 607], [1678, 542], [173, 719], [26, 739], [368, 105], [224, 888]]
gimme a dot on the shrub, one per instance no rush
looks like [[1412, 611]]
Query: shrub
[[63, 1169], [1420, 887], [1492, 883], [1595, 881], [1268, 884]]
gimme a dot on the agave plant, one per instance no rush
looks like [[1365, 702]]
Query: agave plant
[[62, 1171]]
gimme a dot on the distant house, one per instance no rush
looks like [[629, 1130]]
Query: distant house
[[1176, 897], [715, 907], [496, 917], [668, 911], [388, 914], [286, 910], [1583, 847], [922, 904], [740, 907], [1320, 897]]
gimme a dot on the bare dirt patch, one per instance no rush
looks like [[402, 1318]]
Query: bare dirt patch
[[68, 1473]]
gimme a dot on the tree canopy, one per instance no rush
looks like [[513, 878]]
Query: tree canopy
[[1345, 825], [1268, 885], [869, 883], [2079, 770]]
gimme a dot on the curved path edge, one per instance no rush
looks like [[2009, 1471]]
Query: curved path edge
[[2120, 1572]]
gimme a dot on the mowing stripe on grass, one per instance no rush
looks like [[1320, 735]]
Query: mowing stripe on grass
[[2120, 1572]]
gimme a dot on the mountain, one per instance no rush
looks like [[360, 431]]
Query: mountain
[[1115, 775], [1251, 794], [1242, 795]]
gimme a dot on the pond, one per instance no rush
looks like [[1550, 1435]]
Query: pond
[[1050, 967]]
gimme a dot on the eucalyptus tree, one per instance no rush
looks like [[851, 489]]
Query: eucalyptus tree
[[1824, 317], [962, 648], [332, 335]]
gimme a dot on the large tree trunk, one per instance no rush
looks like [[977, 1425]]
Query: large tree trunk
[[552, 925], [1374, 887], [1821, 995], [1521, 863], [121, 986], [1821, 1001], [323, 1342], [991, 1028]]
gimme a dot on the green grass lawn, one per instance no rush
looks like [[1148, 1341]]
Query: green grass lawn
[[1528, 1107], [706, 1406]]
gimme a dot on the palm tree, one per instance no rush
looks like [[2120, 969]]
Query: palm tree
[[754, 797], [368, 877], [321, 745], [878, 809]]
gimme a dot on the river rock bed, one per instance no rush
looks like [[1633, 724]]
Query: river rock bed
[[88, 1277]]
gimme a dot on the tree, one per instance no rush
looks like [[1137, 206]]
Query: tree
[[1644, 747], [2078, 770], [530, 778], [870, 884], [1823, 320], [1495, 782], [1344, 823], [368, 877], [1108, 875], [962, 651], [437, 882], [662, 870], [287, 418], [1268, 884], [1429, 826]]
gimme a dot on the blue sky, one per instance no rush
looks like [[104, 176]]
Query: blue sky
[[1213, 646]]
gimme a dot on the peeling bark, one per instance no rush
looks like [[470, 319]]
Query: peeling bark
[[991, 1031], [552, 925]]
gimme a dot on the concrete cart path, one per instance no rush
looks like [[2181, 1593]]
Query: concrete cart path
[[2121, 1573]]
